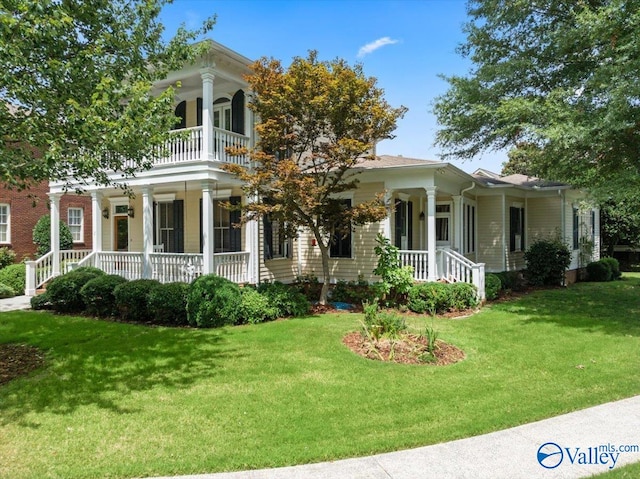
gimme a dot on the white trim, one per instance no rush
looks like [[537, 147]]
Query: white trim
[[164, 197], [7, 239], [449, 216]]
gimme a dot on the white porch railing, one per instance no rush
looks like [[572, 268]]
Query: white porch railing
[[40, 271], [173, 267], [223, 139], [127, 264], [233, 266], [450, 266]]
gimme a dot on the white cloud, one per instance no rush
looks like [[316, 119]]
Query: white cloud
[[371, 47]]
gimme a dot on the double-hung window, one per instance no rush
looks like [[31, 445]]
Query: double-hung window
[[5, 236], [516, 228], [340, 246], [75, 220]]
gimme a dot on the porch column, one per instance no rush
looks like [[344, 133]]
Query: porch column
[[457, 222], [147, 231], [54, 199], [96, 221], [431, 233], [208, 240], [207, 111], [252, 245]]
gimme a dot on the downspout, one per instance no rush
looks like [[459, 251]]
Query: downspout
[[461, 213]]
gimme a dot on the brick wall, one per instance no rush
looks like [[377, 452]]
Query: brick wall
[[26, 208]]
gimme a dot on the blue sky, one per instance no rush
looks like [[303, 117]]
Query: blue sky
[[405, 44]]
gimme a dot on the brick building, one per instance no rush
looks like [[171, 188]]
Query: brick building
[[21, 210]]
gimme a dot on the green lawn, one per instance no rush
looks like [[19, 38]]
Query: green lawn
[[118, 400]]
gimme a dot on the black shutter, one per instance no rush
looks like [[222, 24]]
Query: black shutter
[[199, 111], [237, 112], [181, 115], [155, 223], [268, 237], [399, 222], [178, 225], [513, 221], [522, 229], [410, 225], [235, 234]]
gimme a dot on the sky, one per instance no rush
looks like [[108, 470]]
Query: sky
[[405, 44]]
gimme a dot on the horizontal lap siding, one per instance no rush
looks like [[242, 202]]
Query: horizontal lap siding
[[544, 218], [490, 246]]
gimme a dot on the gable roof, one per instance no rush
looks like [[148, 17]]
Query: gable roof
[[389, 161]]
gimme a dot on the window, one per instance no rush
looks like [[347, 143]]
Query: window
[[576, 228], [5, 237], [516, 228], [469, 233], [75, 220], [404, 224], [276, 244], [443, 222], [341, 243], [222, 113]]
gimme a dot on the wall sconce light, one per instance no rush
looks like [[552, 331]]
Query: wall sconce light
[[422, 216], [105, 213], [130, 211]]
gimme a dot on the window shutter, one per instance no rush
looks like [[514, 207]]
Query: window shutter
[[178, 225], [268, 237], [181, 115], [199, 111], [513, 222], [237, 112]]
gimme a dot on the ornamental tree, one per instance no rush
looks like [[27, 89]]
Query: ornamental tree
[[318, 121], [561, 76], [76, 80]]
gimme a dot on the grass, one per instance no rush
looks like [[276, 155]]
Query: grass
[[119, 400]]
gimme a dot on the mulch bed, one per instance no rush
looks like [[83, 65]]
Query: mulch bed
[[409, 349], [17, 360]]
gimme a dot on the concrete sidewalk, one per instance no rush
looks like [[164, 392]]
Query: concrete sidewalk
[[17, 302], [509, 454]]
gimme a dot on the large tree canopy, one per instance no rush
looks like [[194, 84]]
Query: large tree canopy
[[75, 87], [319, 120], [561, 76]]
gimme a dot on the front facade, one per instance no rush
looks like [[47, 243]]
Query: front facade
[[448, 224]]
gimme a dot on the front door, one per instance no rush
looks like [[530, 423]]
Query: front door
[[122, 233]]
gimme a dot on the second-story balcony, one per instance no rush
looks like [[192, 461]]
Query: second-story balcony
[[188, 145]]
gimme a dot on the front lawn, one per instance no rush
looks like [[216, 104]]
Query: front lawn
[[118, 400]]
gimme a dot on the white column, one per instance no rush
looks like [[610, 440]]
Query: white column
[[96, 221], [431, 233], [147, 231], [208, 240], [54, 199], [207, 111], [457, 222], [596, 234], [252, 245]]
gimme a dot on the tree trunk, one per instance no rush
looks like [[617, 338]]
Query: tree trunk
[[324, 292]]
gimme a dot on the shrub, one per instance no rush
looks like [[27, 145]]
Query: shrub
[[377, 325], [41, 301], [353, 292], [492, 286], [6, 291], [255, 307], [287, 301], [64, 291], [614, 266], [7, 257], [429, 298], [98, 295], [512, 280], [213, 301], [397, 280], [462, 296], [42, 235], [14, 276], [132, 299], [547, 260], [309, 286], [599, 271], [167, 303]]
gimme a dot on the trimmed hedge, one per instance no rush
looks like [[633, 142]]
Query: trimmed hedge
[[132, 299], [41, 302], [42, 235], [64, 291], [286, 300], [547, 261], [98, 295], [6, 291], [14, 276], [492, 286], [7, 257], [614, 266], [255, 307], [436, 298], [167, 304], [599, 271], [213, 302]]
